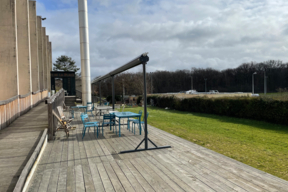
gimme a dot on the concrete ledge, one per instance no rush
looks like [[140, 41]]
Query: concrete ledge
[[34, 93], [9, 100], [26, 95], [31, 165]]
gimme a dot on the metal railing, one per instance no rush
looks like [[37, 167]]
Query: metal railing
[[53, 102]]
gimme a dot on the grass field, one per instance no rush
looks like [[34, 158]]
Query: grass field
[[276, 96], [259, 144]]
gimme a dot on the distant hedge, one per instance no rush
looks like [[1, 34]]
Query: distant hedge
[[243, 107]]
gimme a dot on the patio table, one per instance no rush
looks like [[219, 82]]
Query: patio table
[[126, 115], [100, 108]]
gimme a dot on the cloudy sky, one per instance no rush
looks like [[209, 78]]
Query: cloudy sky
[[178, 34]]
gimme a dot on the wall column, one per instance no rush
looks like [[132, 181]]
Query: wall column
[[23, 34], [24, 61], [48, 64], [44, 57], [8, 49], [40, 51], [51, 62], [34, 46]]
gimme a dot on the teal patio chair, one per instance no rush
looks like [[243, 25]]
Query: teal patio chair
[[92, 108], [137, 122], [108, 119], [88, 124], [133, 120]]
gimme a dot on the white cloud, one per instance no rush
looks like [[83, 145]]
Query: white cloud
[[177, 34]]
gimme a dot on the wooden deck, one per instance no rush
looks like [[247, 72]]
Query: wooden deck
[[17, 143], [94, 164]]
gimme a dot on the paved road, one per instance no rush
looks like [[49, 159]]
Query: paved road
[[17, 142]]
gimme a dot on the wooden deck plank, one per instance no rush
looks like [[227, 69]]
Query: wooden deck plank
[[162, 175], [105, 178], [52, 168], [71, 150], [222, 182], [164, 182], [88, 181], [195, 184], [56, 158], [138, 176], [80, 185], [96, 177], [36, 180], [226, 174], [133, 181], [17, 143], [195, 173], [70, 180], [170, 174], [268, 183], [62, 180], [121, 177], [94, 164], [113, 177], [154, 182], [240, 172]]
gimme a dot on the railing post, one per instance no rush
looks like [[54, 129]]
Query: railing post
[[50, 122], [53, 102]]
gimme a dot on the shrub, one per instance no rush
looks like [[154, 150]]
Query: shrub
[[139, 99], [242, 107]]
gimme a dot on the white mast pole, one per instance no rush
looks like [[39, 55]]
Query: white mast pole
[[85, 53]]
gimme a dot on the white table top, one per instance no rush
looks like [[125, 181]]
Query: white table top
[[103, 107]]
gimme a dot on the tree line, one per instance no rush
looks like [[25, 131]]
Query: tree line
[[229, 80]]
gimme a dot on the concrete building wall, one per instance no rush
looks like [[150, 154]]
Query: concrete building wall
[[51, 62], [34, 46], [8, 50], [48, 64], [40, 52], [23, 36], [44, 57]]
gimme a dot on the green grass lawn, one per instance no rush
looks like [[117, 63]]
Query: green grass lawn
[[259, 144], [276, 96]]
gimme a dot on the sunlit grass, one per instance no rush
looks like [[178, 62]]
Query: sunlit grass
[[259, 144]]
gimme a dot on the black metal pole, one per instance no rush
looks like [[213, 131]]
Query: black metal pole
[[145, 106], [100, 92], [113, 93]]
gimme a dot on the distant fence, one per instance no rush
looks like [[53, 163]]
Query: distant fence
[[53, 102], [14, 107]]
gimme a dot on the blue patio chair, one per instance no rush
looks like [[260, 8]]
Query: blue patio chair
[[137, 122], [133, 120], [88, 124], [108, 119], [107, 103], [92, 108]]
